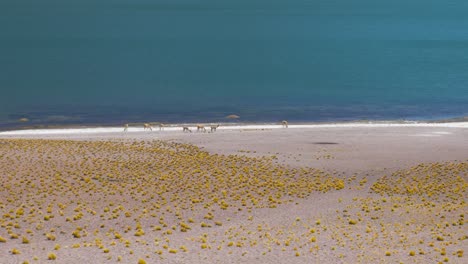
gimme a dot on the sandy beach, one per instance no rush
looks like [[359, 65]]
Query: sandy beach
[[257, 194]]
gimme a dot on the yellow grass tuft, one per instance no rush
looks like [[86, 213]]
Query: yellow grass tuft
[[203, 224], [76, 234], [51, 256]]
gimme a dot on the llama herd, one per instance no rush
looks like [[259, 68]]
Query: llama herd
[[200, 127], [186, 129]]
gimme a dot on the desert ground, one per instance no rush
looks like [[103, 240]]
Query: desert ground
[[314, 195]]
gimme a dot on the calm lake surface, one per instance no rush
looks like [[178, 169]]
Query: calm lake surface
[[115, 61]]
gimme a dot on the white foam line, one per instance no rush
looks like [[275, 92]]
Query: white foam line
[[442, 133], [425, 135], [97, 130]]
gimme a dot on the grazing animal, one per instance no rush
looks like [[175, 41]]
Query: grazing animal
[[161, 126], [213, 128], [125, 127], [201, 128], [147, 126], [186, 129], [284, 123]]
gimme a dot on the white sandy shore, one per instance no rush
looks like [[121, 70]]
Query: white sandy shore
[[94, 130]]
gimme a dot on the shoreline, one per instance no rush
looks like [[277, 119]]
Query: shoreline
[[229, 126], [36, 123]]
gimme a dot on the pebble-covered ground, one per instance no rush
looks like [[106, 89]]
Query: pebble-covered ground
[[154, 201]]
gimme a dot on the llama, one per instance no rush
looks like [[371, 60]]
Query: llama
[[186, 129], [201, 128], [213, 128], [284, 123], [125, 127], [161, 126], [147, 126]]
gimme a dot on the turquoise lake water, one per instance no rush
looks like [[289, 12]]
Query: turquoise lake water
[[113, 61]]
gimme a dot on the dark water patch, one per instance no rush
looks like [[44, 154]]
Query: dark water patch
[[325, 143]]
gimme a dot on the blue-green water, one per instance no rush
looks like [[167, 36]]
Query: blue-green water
[[92, 61]]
